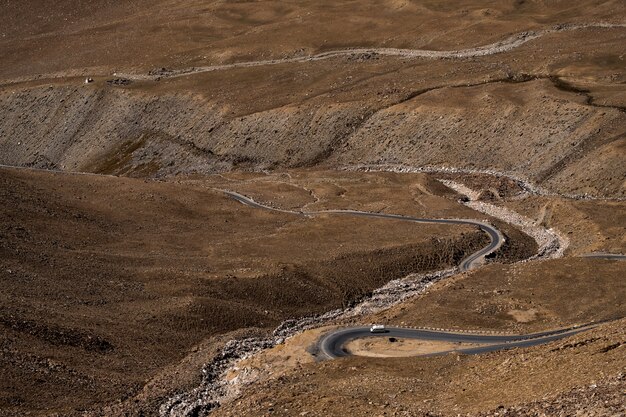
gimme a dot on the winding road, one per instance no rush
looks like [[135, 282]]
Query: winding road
[[332, 345], [512, 42], [496, 239]]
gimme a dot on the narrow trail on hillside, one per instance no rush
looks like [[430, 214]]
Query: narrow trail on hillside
[[505, 45]]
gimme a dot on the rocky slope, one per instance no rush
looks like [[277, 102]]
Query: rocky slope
[[531, 129], [116, 292]]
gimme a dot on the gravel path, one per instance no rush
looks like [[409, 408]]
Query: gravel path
[[508, 44]]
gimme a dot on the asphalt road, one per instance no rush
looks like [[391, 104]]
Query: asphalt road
[[495, 237], [332, 344]]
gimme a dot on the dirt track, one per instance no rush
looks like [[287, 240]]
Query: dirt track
[[499, 47]]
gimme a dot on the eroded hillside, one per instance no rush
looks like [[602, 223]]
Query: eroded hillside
[[550, 109], [456, 165]]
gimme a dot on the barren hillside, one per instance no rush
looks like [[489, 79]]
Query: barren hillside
[[555, 102], [194, 194]]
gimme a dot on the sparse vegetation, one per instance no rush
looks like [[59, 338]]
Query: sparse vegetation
[[124, 275]]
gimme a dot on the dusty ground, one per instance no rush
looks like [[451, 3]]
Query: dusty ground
[[116, 291], [545, 377], [87, 261], [386, 348], [105, 36], [590, 226], [520, 298], [555, 102]]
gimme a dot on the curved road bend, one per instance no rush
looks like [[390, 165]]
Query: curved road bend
[[332, 344], [496, 239]]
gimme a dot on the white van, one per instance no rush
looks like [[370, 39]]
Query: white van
[[378, 328]]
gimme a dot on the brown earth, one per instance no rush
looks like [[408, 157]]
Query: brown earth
[[555, 103], [377, 347], [107, 281], [542, 378], [116, 291], [105, 35], [521, 298], [559, 293], [590, 226]]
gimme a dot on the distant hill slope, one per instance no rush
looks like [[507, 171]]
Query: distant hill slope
[[551, 109], [38, 37]]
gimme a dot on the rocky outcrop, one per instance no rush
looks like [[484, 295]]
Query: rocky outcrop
[[525, 129]]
